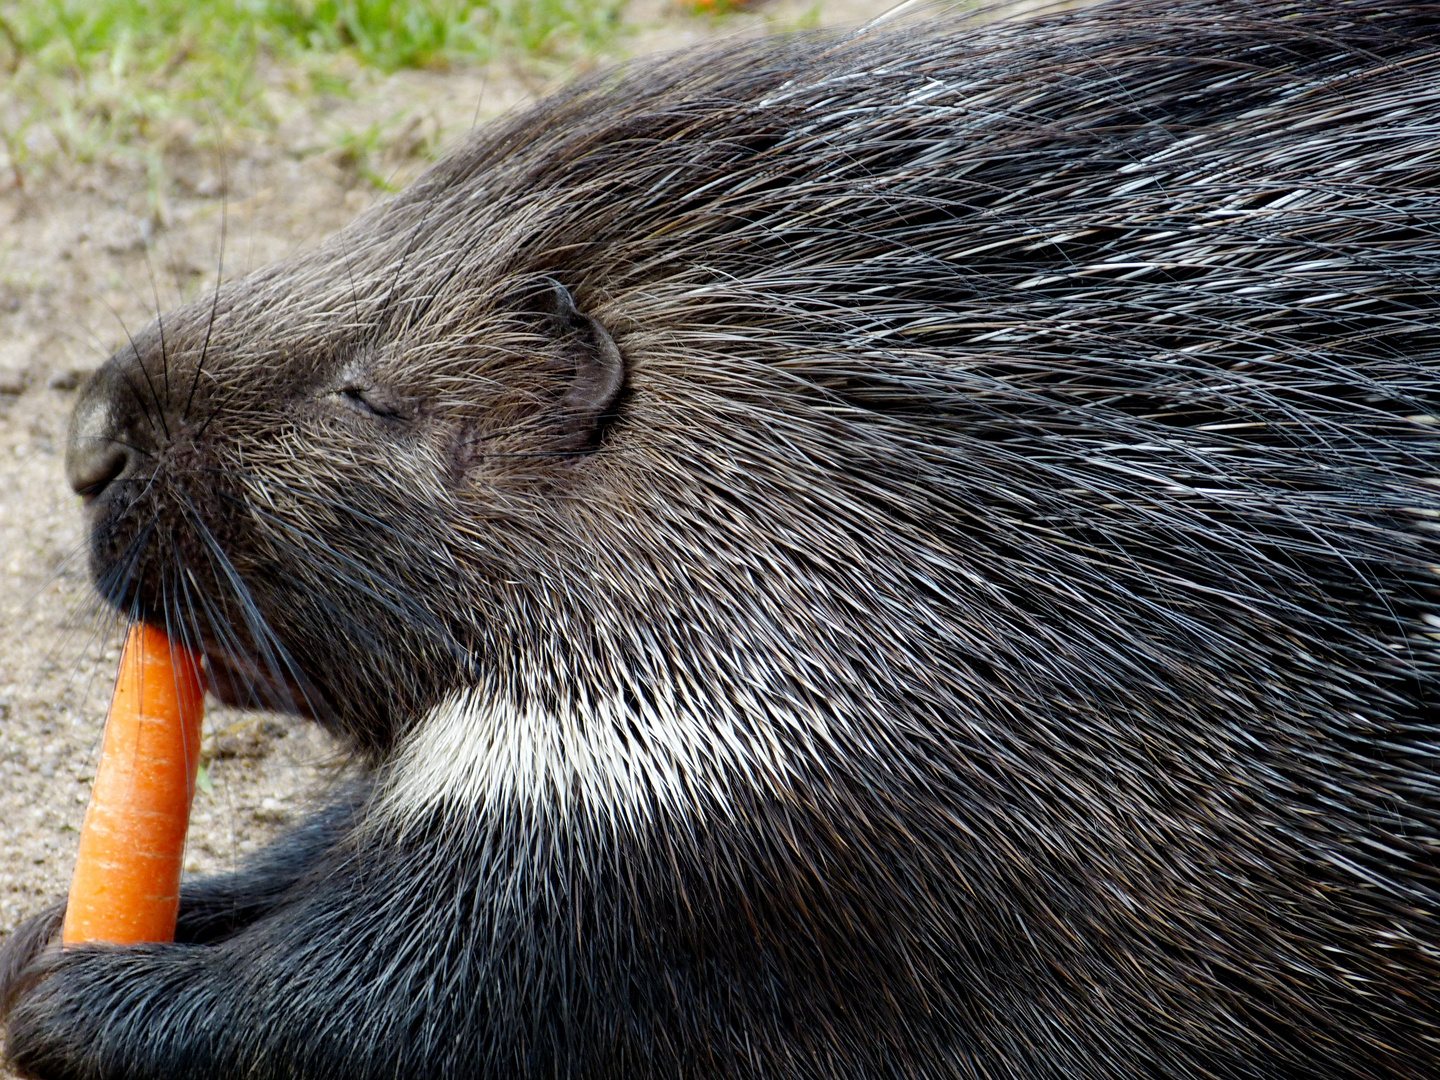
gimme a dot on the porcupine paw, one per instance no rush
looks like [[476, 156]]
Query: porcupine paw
[[82, 1014], [35, 1040], [20, 951]]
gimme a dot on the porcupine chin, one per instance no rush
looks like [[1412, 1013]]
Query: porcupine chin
[[909, 554]]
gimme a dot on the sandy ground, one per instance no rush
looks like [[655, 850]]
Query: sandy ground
[[83, 257]]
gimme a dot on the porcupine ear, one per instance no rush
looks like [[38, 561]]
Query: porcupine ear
[[597, 375]]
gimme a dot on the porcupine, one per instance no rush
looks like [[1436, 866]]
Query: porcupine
[[911, 553]]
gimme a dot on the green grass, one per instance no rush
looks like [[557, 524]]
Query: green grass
[[82, 80], [392, 34]]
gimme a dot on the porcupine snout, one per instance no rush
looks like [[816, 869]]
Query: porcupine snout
[[96, 452]]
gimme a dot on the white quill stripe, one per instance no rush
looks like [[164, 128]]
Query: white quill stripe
[[480, 752]]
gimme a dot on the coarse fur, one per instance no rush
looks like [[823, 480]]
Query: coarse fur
[[908, 554]]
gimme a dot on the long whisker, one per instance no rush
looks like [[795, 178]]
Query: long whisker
[[160, 328], [362, 578], [272, 652], [215, 297]]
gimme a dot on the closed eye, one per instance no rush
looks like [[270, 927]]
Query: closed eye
[[370, 401]]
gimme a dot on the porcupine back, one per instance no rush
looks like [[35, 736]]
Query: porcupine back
[[1068, 396]]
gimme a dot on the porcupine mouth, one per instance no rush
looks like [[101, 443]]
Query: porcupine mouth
[[237, 678], [243, 683]]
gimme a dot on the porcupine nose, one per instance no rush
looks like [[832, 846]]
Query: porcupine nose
[[95, 455]]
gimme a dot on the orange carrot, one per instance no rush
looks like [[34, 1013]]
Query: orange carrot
[[126, 886]]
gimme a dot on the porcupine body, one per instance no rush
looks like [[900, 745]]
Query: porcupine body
[[911, 554]]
